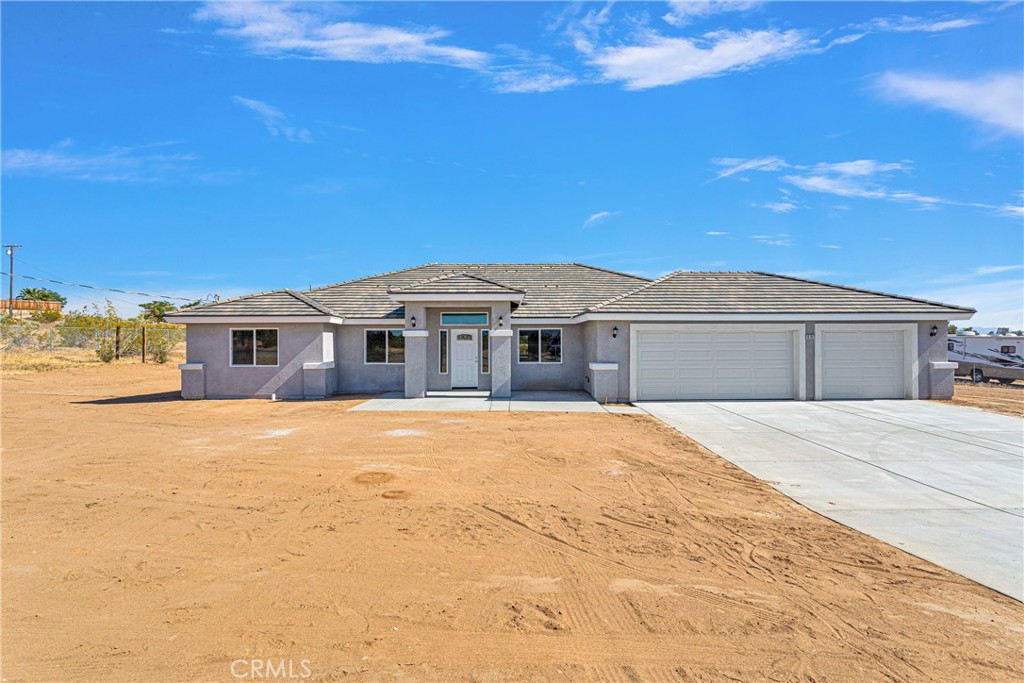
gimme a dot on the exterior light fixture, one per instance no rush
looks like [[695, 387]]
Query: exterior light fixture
[[501, 321], [413, 321], [615, 332], [935, 330]]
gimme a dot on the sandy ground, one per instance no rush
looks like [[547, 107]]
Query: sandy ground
[[995, 398], [151, 539]]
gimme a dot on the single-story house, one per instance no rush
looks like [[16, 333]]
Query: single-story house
[[567, 326]]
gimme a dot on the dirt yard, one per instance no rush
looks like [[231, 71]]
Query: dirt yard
[[995, 398], [151, 539]]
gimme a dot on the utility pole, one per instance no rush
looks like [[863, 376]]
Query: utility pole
[[10, 278]]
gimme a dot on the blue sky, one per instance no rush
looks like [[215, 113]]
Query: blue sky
[[189, 149]]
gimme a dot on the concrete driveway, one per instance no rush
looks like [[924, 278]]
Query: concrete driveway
[[942, 482]]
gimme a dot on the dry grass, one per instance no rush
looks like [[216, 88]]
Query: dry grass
[[995, 398], [23, 362]]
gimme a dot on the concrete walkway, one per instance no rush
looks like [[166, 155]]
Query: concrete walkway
[[480, 401], [942, 482]]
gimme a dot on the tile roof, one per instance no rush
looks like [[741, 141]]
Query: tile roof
[[755, 292], [278, 302], [459, 283], [551, 289]]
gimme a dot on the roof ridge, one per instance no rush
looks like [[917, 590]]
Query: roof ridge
[[609, 270], [865, 291], [449, 276], [310, 302], [648, 283]]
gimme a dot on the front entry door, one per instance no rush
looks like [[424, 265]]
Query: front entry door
[[464, 359]]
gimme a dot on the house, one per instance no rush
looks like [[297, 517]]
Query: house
[[567, 326]]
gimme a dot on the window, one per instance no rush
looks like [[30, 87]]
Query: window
[[442, 352], [540, 346], [485, 352], [1007, 349], [463, 319], [949, 346], [254, 347], [385, 346]]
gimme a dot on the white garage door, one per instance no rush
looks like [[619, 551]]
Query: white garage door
[[699, 365], [862, 364]]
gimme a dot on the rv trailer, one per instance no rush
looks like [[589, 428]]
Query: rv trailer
[[983, 358]]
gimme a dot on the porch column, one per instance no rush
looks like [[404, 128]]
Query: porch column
[[501, 351], [415, 334]]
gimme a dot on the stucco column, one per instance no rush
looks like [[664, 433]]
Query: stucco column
[[501, 350], [415, 334]]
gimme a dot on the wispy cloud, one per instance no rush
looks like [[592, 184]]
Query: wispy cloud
[[310, 31], [992, 270], [733, 166], [859, 179], [715, 233], [829, 246], [596, 218], [780, 207], [660, 60], [143, 163], [274, 120], [778, 240], [907, 24], [683, 12], [998, 302], [994, 100]]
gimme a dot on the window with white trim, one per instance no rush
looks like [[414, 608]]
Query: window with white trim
[[254, 347], [384, 347], [540, 346]]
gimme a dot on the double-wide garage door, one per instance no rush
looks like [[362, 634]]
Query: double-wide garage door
[[692, 362], [680, 364]]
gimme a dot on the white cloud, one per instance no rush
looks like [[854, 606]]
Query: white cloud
[[779, 240], [830, 246], [861, 167], [659, 60], [995, 100], [906, 24], [598, 217], [715, 233], [780, 207], [520, 80], [682, 12], [112, 164], [274, 120], [992, 270], [998, 303], [735, 166], [310, 31]]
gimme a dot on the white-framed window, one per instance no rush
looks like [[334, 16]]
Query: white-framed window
[[471, 319], [384, 347], [543, 345], [442, 352], [254, 347], [485, 352]]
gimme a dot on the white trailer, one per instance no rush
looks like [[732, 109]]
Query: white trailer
[[983, 358]]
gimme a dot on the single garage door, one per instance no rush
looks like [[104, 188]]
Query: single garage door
[[862, 364], [703, 365]]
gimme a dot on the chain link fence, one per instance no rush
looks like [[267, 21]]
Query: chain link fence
[[146, 343]]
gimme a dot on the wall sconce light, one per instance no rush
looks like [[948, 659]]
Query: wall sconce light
[[935, 330], [413, 321], [501, 321], [615, 332]]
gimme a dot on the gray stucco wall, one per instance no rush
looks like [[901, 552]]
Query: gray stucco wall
[[601, 347], [933, 384], [353, 375], [297, 344]]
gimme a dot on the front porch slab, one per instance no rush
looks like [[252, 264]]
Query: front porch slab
[[480, 401]]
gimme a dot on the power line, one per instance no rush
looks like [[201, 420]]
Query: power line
[[102, 289]]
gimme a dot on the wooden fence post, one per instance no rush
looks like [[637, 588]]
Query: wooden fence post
[[143, 343], [117, 342]]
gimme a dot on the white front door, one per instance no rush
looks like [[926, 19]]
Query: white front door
[[464, 359]]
